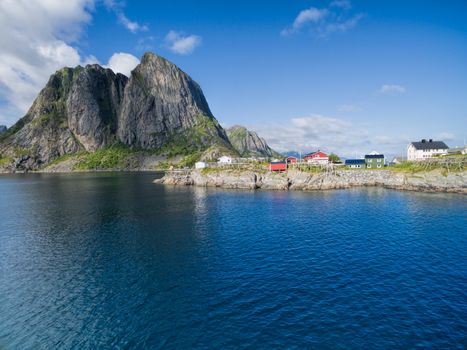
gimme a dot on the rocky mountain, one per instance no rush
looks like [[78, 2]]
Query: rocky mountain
[[158, 108], [248, 143], [3, 129]]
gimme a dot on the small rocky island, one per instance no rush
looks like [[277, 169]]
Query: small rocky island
[[429, 181]]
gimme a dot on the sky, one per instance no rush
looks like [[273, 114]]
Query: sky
[[342, 76]]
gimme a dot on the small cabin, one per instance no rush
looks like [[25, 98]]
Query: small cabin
[[278, 166], [291, 160], [225, 160], [200, 165], [355, 163]]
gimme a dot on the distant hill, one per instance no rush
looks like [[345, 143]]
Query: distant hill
[[248, 143]]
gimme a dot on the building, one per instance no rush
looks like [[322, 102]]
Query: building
[[426, 149], [291, 160], [278, 166], [200, 165], [374, 161], [355, 163], [225, 160], [317, 158]]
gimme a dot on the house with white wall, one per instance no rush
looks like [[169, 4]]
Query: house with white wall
[[200, 165], [426, 149], [225, 160]]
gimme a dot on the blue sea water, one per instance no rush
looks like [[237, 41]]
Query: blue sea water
[[112, 261]]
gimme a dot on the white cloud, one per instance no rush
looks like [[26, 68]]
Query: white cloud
[[181, 44], [133, 27], [323, 22], [36, 38], [311, 15], [117, 7], [342, 25], [330, 134], [391, 89], [347, 108], [122, 63]]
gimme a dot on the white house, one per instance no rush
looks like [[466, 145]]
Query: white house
[[426, 149], [200, 165], [225, 160]]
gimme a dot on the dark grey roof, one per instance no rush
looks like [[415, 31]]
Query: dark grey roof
[[354, 161], [430, 145], [374, 156]]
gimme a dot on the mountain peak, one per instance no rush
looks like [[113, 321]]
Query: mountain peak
[[248, 143]]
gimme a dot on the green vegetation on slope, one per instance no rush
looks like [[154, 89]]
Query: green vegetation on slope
[[415, 167], [192, 141], [4, 161], [114, 157]]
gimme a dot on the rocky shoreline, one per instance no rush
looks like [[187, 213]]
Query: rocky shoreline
[[432, 181]]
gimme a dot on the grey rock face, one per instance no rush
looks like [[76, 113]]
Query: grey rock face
[[248, 143], [93, 104], [160, 102]]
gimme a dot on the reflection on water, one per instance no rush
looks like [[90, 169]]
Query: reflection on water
[[114, 261]]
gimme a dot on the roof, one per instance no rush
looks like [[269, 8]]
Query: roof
[[429, 145], [313, 153], [371, 156], [278, 163], [354, 161]]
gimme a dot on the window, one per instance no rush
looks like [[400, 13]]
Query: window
[[379, 165], [369, 165]]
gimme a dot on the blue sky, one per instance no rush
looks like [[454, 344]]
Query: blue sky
[[342, 76]]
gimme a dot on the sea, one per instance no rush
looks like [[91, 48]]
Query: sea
[[114, 261]]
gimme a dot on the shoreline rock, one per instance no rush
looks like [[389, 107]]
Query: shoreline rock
[[433, 181]]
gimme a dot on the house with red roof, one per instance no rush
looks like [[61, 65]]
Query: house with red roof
[[318, 158]]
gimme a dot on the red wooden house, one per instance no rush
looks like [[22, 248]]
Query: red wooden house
[[292, 160], [278, 166], [317, 157]]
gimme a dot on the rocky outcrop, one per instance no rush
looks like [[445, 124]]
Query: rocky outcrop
[[88, 108], [248, 143], [434, 181], [3, 129]]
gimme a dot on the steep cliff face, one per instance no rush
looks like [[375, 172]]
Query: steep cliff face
[[248, 143], [164, 105], [93, 105], [89, 108]]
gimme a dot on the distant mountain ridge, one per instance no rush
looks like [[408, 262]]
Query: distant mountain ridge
[[248, 144]]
